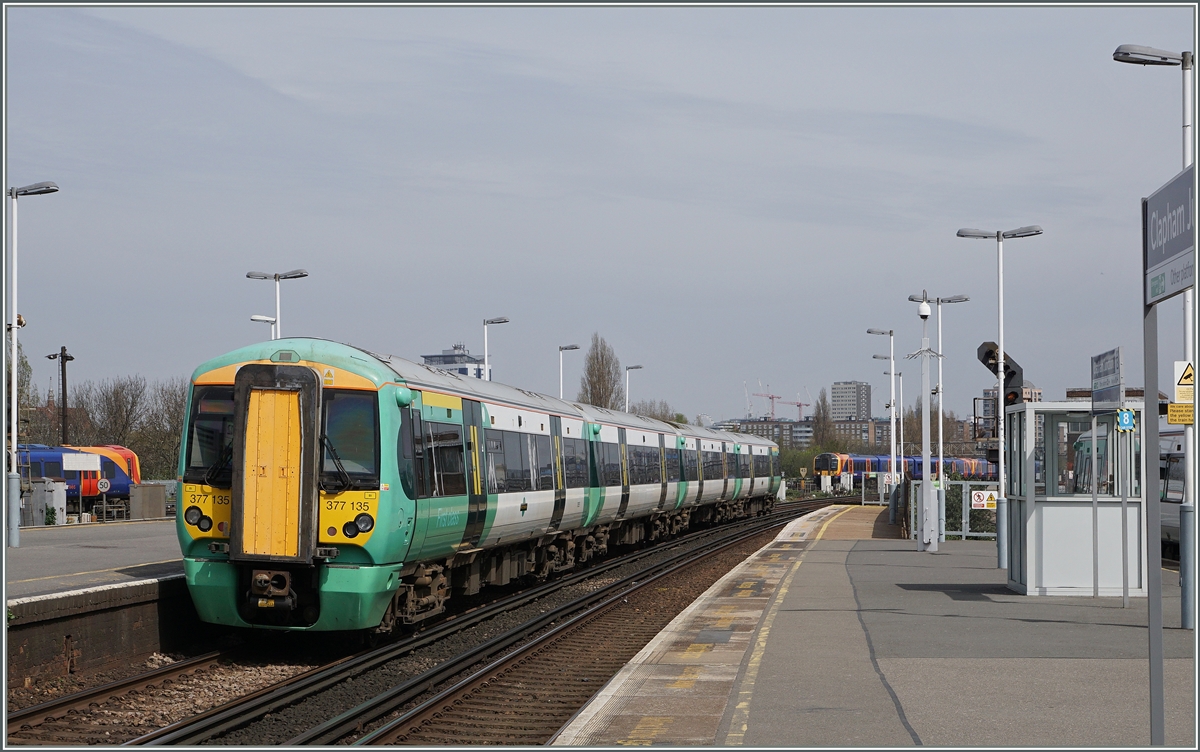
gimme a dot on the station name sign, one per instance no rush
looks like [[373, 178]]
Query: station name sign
[[1168, 238]]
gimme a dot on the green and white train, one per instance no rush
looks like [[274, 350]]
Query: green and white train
[[324, 487]]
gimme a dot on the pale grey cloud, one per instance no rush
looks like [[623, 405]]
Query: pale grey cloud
[[726, 194]]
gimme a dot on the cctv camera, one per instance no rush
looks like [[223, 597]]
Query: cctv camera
[[923, 310]]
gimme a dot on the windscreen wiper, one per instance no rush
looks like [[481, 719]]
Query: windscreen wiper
[[343, 476], [215, 469]]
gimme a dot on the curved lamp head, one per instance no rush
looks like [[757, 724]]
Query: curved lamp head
[[263, 319], [500, 320], [1022, 232], [632, 368], [567, 347], [887, 333], [1139, 55], [35, 189], [881, 357], [967, 232]]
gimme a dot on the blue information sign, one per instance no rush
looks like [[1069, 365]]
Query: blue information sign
[[1125, 420]]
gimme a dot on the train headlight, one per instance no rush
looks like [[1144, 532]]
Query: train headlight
[[364, 522], [205, 524], [192, 515], [349, 530]]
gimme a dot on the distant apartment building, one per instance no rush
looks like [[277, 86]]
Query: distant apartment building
[[850, 400], [788, 434], [871, 434]]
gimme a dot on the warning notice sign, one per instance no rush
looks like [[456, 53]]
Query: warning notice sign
[[1185, 381], [983, 499], [1177, 415]]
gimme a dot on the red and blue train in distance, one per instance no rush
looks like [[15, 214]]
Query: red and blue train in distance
[[836, 464], [118, 465]]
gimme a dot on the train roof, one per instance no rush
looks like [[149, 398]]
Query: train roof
[[382, 368]]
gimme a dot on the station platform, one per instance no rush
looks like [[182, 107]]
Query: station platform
[[840, 634], [65, 558]]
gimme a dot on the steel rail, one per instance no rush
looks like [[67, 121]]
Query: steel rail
[[602, 601], [244, 710], [51, 710]]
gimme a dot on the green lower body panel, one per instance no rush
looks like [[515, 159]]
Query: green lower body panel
[[351, 597]]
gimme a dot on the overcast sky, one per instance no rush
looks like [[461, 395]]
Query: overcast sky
[[729, 196]]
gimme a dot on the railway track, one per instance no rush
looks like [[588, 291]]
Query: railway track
[[525, 697], [64, 720], [53, 720]]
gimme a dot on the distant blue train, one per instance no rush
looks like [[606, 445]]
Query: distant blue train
[[118, 465], [836, 464]]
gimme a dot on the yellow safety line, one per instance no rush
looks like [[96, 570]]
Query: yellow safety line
[[95, 571], [741, 712], [831, 519]]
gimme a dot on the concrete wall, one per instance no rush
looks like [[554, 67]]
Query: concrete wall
[[97, 629]]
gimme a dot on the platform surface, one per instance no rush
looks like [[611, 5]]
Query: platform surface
[[838, 634], [70, 557]]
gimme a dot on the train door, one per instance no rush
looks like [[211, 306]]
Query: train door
[[274, 463], [560, 486], [624, 473], [662, 469], [724, 471], [472, 415]]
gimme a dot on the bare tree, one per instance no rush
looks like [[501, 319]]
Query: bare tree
[[823, 433], [600, 384], [108, 412], [659, 410], [156, 440]]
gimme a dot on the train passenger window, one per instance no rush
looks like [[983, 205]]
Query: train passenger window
[[497, 473], [444, 458], [612, 464], [545, 463], [53, 470], [1173, 483], [71, 475], [744, 465], [516, 459], [575, 462], [690, 464], [731, 468], [672, 460]]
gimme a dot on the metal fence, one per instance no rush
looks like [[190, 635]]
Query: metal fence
[[977, 523]]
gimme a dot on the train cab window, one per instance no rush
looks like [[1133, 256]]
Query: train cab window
[[497, 468], [350, 431], [210, 437]]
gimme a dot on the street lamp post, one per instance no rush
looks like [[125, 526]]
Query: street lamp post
[[891, 358], [928, 522], [15, 323], [627, 370], [265, 320], [938, 390], [1138, 55], [561, 350], [62, 356], [1001, 500], [900, 456], [276, 327], [487, 371]]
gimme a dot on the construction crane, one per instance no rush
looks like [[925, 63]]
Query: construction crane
[[771, 397], [800, 405]]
